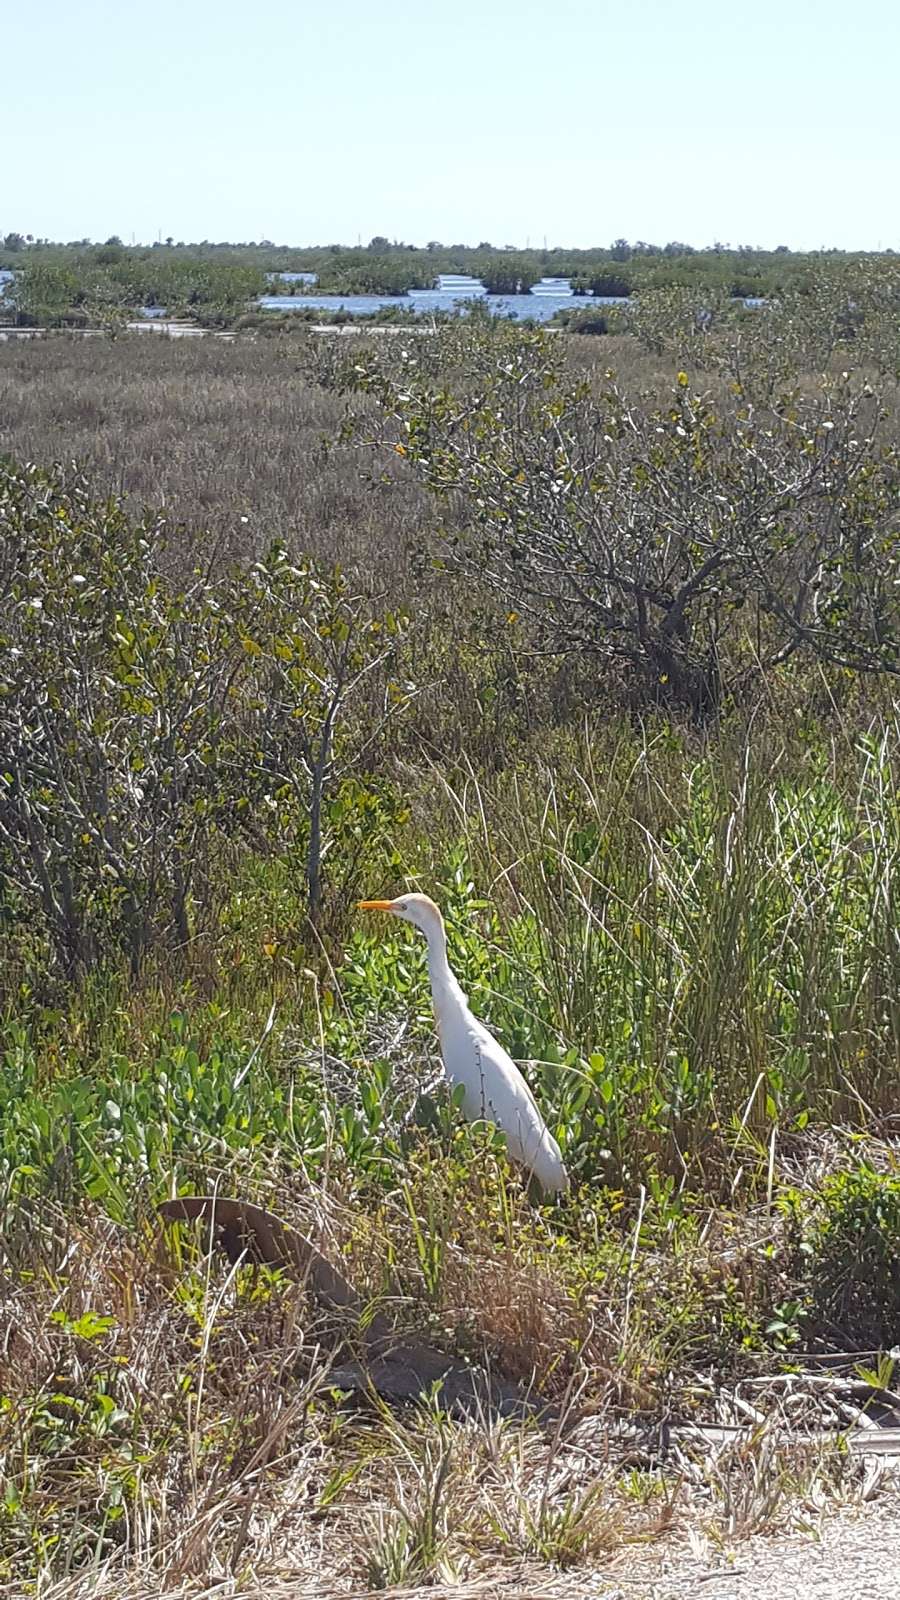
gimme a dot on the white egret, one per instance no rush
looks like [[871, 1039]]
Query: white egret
[[495, 1090]]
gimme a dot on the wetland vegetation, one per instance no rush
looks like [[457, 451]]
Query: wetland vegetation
[[596, 641], [83, 283]]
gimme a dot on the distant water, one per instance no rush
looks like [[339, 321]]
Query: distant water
[[546, 298], [454, 289]]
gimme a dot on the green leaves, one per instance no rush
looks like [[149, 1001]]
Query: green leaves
[[46, 291], [683, 548], [142, 722], [89, 1326], [846, 1236]]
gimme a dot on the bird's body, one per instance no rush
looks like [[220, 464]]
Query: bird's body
[[494, 1089]]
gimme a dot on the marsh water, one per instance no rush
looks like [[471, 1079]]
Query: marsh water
[[452, 291]]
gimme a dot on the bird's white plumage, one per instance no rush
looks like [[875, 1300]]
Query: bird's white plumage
[[494, 1089]]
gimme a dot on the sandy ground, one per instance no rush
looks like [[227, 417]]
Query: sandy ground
[[847, 1555]]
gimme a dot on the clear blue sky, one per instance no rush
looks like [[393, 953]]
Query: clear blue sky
[[768, 123]]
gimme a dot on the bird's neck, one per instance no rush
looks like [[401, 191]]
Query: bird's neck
[[444, 986]]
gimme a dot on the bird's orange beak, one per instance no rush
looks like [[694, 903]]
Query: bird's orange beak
[[374, 905]]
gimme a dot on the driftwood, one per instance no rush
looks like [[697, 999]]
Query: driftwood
[[390, 1363]]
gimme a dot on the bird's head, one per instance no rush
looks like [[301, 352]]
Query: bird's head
[[414, 908]]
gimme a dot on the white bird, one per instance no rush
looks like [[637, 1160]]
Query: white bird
[[495, 1090]]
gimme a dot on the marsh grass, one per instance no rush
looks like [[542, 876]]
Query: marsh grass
[[694, 953], [691, 945], [227, 438], [713, 934]]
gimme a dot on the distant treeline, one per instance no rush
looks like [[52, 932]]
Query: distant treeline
[[72, 284], [173, 272]]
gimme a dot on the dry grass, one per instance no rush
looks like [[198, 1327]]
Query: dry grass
[[215, 432], [170, 1424]]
